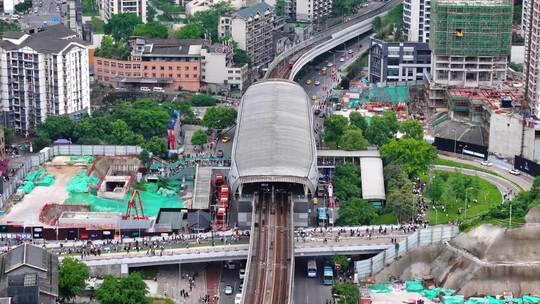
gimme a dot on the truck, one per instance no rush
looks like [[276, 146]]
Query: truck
[[328, 275]]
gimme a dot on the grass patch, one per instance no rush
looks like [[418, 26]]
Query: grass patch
[[89, 8], [385, 219], [451, 163], [98, 26], [486, 194]]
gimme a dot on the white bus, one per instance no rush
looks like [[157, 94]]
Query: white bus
[[312, 268]]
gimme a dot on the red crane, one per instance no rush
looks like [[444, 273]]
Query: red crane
[[132, 204]]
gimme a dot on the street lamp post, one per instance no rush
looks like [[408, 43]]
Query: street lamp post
[[467, 200], [463, 150]]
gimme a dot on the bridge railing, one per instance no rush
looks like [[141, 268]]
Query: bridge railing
[[422, 237]]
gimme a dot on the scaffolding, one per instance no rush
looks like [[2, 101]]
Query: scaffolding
[[471, 28]]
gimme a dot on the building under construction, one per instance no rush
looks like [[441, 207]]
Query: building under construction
[[470, 42]]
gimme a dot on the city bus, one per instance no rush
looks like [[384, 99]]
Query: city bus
[[328, 275], [312, 268]]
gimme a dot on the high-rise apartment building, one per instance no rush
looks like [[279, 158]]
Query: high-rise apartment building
[[416, 18], [41, 75], [470, 42], [252, 29], [312, 10], [108, 8], [531, 27]]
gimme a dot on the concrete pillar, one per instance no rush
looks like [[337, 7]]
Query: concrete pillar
[[124, 270]]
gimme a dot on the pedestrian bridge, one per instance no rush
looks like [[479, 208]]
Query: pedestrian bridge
[[116, 263]]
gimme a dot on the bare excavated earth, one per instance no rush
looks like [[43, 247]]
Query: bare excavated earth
[[486, 260]]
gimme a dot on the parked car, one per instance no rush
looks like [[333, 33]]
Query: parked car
[[238, 298], [486, 163], [145, 89], [317, 83], [225, 139], [228, 290], [242, 273], [350, 52], [514, 172], [219, 153], [308, 82], [342, 59], [158, 89]]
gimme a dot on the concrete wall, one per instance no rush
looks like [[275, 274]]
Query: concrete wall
[[505, 132]]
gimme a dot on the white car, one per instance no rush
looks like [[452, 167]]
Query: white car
[[342, 59], [242, 274], [228, 289], [486, 163], [238, 298], [514, 172], [317, 83], [145, 89], [350, 51], [158, 89], [330, 65]]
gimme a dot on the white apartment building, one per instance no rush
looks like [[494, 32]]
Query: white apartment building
[[311, 10], [416, 18], [43, 74], [531, 29], [218, 70], [203, 5], [252, 29], [108, 8]]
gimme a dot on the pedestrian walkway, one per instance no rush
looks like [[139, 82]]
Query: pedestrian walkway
[[213, 276], [192, 286]]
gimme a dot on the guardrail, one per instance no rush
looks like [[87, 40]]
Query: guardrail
[[327, 34]]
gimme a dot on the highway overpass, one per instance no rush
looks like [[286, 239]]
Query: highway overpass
[[335, 36]]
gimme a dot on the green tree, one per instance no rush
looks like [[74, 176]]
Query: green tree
[[203, 100], [411, 129], [241, 57], [279, 9], [128, 290], [110, 49], [391, 170], [144, 157], [144, 117], [435, 188], [400, 199], [415, 155], [41, 140], [150, 13], [353, 140], [157, 145], [334, 126], [90, 130], [121, 26], [72, 276], [382, 128], [342, 7], [356, 212], [152, 29], [219, 117], [358, 120], [347, 293], [346, 181], [377, 24], [199, 138], [6, 26], [8, 135], [57, 127], [190, 31], [23, 6], [340, 260], [208, 20]]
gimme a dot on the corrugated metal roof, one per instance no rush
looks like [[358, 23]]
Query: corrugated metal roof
[[372, 178], [274, 136]]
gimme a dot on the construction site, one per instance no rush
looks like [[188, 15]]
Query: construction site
[[91, 193]]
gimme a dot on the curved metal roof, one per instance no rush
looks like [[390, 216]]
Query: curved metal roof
[[274, 139]]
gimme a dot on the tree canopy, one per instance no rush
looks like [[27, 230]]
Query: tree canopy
[[400, 199], [358, 120], [415, 155], [112, 50], [353, 140], [199, 138], [219, 117], [280, 7], [382, 128], [341, 260], [6, 26], [128, 290], [151, 29], [356, 212], [411, 129], [348, 293], [190, 31], [57, 127], [121, 26], [346, 181], [72, 276], [334, 126], [241, 57], [208, 19], [203, 100]]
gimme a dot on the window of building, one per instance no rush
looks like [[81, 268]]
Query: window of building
[[178, 76], [170, 75], [128, 74], [187, 68], [128, 66], [153, 74], [162, 75], [153, 67], [121, 65], [178, 68], [186, 75], [113, 64], [195, 76], [162, 68], [105, 63], [170, 68], [195, 68], [99, 62], [138, 66]]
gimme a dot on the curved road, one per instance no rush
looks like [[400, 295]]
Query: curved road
[[502, 184], [523, 180]]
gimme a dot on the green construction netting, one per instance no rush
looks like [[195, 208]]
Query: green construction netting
[[37, 177], [393, 94], [381, 288], [433, 293], [87, 160], [81, 183], [474, 300], [531, 299], [414, 286], [151, 198], [453, 299]]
